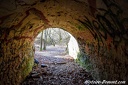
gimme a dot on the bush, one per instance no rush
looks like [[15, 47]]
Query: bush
[[84, 61]]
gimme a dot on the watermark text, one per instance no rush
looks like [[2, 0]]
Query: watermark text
[[104, 82]]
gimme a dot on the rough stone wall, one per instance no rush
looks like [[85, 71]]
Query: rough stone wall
[[16, 46], [16, 60], [105, 63], [107, 56]]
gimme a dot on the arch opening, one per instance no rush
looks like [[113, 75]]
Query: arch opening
[[56, 51], [57, 37]]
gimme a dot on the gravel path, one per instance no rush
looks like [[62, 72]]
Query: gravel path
[[59, 69]]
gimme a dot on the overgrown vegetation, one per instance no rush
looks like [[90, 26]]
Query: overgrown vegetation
[[84, 61], [27, 66]]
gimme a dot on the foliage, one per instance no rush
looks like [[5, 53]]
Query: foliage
[[52, 36], [27, 66], [56, 36], [84, 61]]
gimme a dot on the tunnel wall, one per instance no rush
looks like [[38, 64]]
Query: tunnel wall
[[17, 61], [16, 47], [106, 57], [104, 63]]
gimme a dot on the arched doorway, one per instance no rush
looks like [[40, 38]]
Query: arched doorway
[[57, 37], [55, 60]]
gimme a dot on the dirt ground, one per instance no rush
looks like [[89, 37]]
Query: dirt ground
[[58, 68]]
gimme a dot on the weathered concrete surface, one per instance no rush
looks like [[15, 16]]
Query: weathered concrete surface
[[100, 26]]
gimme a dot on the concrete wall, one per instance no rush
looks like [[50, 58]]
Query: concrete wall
[[73, 47]]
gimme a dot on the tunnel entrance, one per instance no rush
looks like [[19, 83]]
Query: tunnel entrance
[[52, 47], [55, 60], [56, 40]]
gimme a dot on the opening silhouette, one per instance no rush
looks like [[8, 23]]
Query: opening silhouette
[[55, 53], [56, 43]]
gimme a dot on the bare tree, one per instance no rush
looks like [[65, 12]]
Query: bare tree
[[41, 41], [52, 36]]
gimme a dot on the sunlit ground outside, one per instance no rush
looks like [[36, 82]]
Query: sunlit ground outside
[[56, 43], [53, 55]]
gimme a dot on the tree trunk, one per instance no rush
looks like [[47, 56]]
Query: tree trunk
[[45, 39], [41, 41]]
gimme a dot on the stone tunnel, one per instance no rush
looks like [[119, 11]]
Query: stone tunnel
[[99, 26]]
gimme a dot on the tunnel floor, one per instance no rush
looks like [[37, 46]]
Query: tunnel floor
[[58, 69]]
